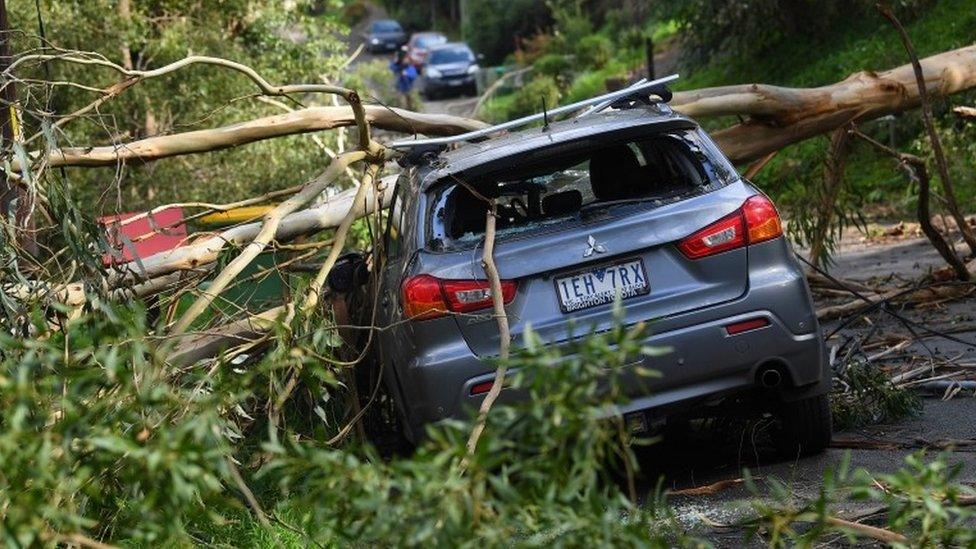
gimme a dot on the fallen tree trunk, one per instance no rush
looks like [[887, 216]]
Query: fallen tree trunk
[[297, 122], [781, 116]]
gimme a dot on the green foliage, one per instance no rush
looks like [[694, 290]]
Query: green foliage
[[923, 502], [741, 28], [94, 437], [594, 51], [864, 394], [554, 65], [540, 475], [278, 39], [591, 83], [787, 520], [101, 439], [872, 182], [530, 98]]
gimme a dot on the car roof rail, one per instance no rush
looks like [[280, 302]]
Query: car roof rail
[[639, 90]]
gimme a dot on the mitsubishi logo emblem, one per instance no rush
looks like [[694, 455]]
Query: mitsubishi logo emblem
[[592, 247]]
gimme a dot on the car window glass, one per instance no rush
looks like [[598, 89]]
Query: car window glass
[[451, 55], [385, 26], [612, 179], [430, 41]]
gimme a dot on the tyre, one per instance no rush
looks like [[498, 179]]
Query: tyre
[[803, 426]]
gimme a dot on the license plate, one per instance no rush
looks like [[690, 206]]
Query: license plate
[[455, 82], [598, 285]]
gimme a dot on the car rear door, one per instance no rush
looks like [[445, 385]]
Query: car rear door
[[639, 245]]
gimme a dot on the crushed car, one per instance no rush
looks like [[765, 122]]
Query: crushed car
[[630, 201]]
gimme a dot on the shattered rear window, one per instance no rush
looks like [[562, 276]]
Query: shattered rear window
[[614, 179]]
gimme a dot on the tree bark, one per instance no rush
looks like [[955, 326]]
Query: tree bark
[[781, 116], [504, 334], [300, 121]]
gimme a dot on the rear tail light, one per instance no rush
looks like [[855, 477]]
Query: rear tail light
[[756, 221], [425, 296], [761, 219]]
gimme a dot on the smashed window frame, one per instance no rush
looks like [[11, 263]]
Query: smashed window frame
[[715, 171]]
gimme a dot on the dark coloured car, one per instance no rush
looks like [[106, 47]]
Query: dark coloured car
[[450, 70], [420, 45], [384, 35], [632, 202]]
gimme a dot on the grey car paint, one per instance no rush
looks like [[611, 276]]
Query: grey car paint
[[431, 365]]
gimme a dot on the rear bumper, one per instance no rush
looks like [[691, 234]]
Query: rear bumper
[[705, 361]]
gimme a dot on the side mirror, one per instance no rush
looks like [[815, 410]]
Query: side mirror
[[480, 57], [349, 273]]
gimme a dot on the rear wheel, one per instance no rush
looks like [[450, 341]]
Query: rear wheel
[[804, 426]]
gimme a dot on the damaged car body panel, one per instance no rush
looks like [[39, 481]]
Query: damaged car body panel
[[634, 204]]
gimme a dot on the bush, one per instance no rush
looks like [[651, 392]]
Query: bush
[[594, 51], [736, 28], [532, 48], [102, 441], [529, 99], [592, 83], [543, 473], [554, 65]]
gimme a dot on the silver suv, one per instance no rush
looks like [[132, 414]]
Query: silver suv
[[633, 203]]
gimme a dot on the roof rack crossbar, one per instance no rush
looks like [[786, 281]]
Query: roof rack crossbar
[[599, 102], [595, 108]]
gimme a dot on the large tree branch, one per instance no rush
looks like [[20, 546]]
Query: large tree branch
[[781, 116], [300, 121]]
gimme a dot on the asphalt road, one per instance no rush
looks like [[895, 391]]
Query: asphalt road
[[713, 455]]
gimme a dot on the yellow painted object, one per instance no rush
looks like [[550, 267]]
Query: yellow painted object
[[236, 215]]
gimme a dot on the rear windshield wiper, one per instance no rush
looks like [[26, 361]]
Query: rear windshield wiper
[[611, 203]]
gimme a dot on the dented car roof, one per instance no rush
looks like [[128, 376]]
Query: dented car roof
[[528, 144]]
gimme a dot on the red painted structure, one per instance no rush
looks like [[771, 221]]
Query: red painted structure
[[165, 230]]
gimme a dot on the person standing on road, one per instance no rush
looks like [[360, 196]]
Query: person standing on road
[[405, 73]]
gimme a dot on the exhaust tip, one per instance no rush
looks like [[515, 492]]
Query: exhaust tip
[[770, 378]]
